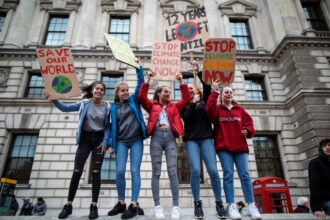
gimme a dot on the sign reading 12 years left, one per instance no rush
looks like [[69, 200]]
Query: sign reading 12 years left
[[187, 28], [58, 73]]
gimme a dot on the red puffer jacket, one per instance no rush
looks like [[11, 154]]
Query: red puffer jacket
[[228, 125], [172, 109]]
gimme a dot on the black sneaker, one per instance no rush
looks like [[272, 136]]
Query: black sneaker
[[66, 211], [131, 212], [220, 210], [93, 212], [119, 208], [199, 214], [139, 210]]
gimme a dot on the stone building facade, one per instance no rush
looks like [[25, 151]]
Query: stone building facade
[[282, 79]]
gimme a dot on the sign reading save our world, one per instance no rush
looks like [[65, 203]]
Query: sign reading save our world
[[121, 50], [58, 73], [190, 29]]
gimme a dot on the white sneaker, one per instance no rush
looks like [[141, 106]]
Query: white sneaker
[[254, 212], [233, 212], [175, 212], [159, 212]]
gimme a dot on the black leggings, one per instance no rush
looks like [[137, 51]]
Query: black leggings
[[89, 142]]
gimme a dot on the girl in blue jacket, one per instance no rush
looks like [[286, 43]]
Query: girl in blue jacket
[[127, 133], [92, 136]]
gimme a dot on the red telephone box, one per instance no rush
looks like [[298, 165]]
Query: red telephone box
[[272, 195]]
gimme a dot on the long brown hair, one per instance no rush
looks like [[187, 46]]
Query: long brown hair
[[117, 87], [158, 90], [233, 102]]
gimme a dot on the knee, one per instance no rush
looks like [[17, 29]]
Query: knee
[[228, 175], [135, 173], [213, 173], [96, 173], [244, 175], [195, 173], [120, 173]]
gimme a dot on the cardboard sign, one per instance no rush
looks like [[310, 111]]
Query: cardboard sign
[[219, 60], [58, 73], [121, 50], [190, 29], [165, 60]]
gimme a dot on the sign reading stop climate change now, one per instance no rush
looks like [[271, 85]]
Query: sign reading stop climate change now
[[58, 73], [165, 60], [219, 60], [190, 29], [121, 50]]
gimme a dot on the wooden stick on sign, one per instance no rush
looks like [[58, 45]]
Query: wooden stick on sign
[[193, 66]]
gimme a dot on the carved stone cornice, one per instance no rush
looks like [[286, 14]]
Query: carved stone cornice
[[171, 6], [60, 5], [129, 6], [238, 8], [9, 4]]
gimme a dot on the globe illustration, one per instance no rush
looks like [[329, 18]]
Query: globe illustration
[[61, 84]]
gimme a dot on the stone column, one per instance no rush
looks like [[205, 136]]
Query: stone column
[[36, 28], [5, 26], [69, 29], [149, 23], [226, 22], [306, 30], [133, 30], [216, 24], [101, 41], [86, 25], [256, 35], [20, 26]]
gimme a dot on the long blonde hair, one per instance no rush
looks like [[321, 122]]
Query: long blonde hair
[[233, 102], [117, 87]]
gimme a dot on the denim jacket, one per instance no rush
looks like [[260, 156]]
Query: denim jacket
[[82, 107], [136, 108]]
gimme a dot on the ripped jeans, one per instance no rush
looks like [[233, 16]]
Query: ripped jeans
[[89, 142], [163, 139]]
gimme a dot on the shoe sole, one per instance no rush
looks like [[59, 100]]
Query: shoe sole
[[221, 217], [199, 217]]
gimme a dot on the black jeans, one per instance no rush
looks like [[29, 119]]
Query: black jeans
[[89, 142]]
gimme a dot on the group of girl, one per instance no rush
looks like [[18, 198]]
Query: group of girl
[[120, 128]]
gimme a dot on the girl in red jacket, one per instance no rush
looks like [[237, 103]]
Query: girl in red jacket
[[232, 126], [164, 124]]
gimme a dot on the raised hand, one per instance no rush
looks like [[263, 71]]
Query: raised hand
[[46, 93], [215, 85], [179, 77], [150, 74]]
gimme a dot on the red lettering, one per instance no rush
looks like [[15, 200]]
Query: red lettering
[[224, 79], [44, 71], [232, 45], [208, 77], [71, 68], [157, 46], [49, 52], [66, 52], [58, 69], [208, 46], [41, 52], [59, 52], [64, 60], [222, 49]]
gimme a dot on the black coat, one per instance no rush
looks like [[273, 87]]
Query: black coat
[[197, 124], [319, 180], [26, 209], [301, 209]]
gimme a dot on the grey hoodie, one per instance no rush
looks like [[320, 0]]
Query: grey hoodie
[[40, 209]]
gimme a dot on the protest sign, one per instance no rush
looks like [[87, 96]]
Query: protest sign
[[190, 29], [219, 60], [58, 73], [121, 50], [165, 60]]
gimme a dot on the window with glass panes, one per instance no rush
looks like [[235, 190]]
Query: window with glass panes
[[56, 30], [2, 20], [35, 88], [177, 91], [20, 158], [267, 156], [314, 16], [108, 169], [255, 89], [241, 34], [119, 28], [110, 83]]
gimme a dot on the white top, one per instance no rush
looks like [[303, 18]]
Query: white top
[[162, 118]]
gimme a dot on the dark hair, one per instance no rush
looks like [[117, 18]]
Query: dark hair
[[158, 90], [324, 142], [87, 89], [240, 203], [40, 199]]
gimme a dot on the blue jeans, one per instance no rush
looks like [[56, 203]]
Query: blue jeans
[[227, 159], [326, 207], [204, 148], [136, 152]]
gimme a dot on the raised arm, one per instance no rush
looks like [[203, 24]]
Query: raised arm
[[63, 107], [211, 105], [140, 79], [186, 98], [206, 88], [143, 97]]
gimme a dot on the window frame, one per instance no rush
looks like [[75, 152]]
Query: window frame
[[273, 138], [51, 16], [315, 9], [186, 78], [263, 87], [120, 17], [248, 30], [10, 150], [27, 88], [117, 75], [4, 15]]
